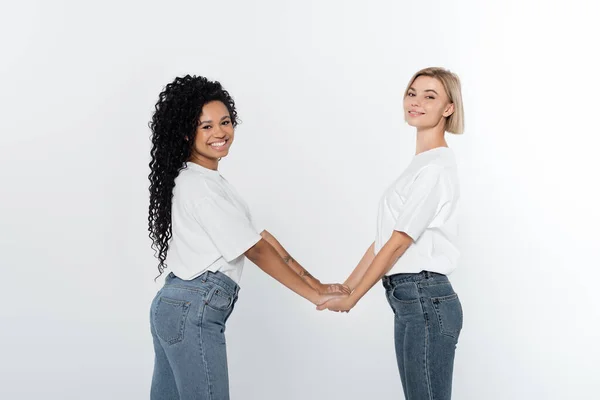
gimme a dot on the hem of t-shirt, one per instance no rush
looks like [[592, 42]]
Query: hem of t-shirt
[[417, 270], [408, 231], [425, 265], [242, 249]]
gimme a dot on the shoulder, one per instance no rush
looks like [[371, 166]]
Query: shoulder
[[440, 165], [196, 185], [435, 178], [430, 173]]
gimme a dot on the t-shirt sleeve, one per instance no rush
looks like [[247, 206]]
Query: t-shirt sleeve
[[422, 203], [229, 228]]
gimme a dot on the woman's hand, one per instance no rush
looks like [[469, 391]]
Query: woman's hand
[[333, 288], [324, 298], [340, 303]]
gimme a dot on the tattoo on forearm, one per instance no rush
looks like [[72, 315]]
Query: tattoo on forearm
[[305, 274], [288, 259]]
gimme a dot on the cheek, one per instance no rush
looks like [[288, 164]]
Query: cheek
[[201, 138], [230, 131], [434, 110]]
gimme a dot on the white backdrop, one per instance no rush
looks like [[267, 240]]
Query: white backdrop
[[318, 85]]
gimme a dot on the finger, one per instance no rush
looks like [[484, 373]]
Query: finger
[[322, 307]]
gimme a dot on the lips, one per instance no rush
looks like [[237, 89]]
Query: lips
[[414, 113]]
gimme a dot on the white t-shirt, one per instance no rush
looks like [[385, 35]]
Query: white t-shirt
[[211, 224], [423, 203]]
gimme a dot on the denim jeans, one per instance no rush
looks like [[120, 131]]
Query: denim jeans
[[428, 320], [187, 322]]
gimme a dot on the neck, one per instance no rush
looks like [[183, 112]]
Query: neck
[[205, 162], [430, 138]]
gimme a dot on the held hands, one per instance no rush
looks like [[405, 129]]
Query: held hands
[[338, 299], [340, 303], [327, 292], [333, 288]]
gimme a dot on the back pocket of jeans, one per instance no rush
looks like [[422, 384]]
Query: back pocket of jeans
[[449, 314], [169, 319]]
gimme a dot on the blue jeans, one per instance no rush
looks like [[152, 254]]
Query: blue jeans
[[428, 321], [187, 321]]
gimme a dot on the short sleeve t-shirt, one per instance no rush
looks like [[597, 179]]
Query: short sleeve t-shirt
[[211, 225], [423, 203]]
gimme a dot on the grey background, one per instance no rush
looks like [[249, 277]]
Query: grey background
[[319, 88]]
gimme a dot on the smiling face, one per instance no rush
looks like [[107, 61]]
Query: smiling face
[[426, 104], [214, 135]]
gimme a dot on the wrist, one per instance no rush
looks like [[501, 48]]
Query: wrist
[[315, 297], [313, 283], [353, 298], [319, 287]]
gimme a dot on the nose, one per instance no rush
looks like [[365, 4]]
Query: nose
[[219, 132]]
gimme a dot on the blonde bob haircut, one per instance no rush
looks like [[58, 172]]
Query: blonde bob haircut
[[455, 122]]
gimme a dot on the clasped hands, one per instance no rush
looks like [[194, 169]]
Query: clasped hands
[[335, 297]]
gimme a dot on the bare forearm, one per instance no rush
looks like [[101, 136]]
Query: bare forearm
[[290, 262], [358, 273], [380, 265], [267, 258]]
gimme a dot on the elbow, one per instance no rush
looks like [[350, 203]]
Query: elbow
[[266, 235], [401, 242], [255, 252]]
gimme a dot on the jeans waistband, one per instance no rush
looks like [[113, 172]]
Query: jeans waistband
[[218, 278], [423, 277]]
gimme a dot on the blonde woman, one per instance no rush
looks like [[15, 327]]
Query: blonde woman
[[416, 247]]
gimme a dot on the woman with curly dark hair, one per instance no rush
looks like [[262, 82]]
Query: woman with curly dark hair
[[202, 231]]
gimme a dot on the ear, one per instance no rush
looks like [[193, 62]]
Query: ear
[[449, 110]]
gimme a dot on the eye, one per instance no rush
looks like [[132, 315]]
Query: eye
[[226, 122], [411, 95], [207, 127], [430, 97]]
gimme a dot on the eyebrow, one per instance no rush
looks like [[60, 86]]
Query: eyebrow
[[428, 90], [210, 122]]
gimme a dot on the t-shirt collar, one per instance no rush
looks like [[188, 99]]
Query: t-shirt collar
[[200, 168]]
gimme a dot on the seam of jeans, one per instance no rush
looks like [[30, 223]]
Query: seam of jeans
[[403, 378], [426, 354], [208, 381]]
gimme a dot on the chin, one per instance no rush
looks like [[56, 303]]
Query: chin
[[418, 125], [222, 155]]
